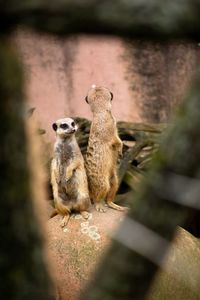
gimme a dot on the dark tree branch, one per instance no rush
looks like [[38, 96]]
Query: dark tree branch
[[149, 19]]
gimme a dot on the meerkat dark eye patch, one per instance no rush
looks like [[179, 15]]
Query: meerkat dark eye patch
[[73, 124], [64, 126], [111, 96], [54, 126], [86, 99]]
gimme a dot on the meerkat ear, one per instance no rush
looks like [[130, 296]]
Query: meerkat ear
[[54, 126], [111, 95], [86, 99]]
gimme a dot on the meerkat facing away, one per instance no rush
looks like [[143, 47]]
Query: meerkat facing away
[[104, 147], [68, 176]]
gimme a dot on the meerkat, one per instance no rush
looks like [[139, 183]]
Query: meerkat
[[104, 148], [68, 175]]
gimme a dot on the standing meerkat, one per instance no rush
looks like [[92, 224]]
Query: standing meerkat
[[68, 176], [104, 148]]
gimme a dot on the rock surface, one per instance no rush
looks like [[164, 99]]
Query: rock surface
[[180, 277], [76, 250]]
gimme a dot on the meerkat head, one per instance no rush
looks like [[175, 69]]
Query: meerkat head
[[65, 127], [99, 98]]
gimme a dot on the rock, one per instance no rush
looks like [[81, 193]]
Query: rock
[[76, 250], [180, 277]]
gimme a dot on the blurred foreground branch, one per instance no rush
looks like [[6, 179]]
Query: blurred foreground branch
[[23, 271], [150, 19]]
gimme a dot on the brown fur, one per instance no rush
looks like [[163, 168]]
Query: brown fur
[[104, 147], [68, 176]]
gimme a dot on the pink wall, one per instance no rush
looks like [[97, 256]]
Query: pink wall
[[59, 73], [147, 78]]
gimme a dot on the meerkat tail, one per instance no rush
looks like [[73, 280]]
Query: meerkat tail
[[53, 213], [61, 208], [117, 207]]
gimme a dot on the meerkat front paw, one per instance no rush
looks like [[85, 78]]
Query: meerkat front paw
[[100, 207], [65, 221], [85, 214]]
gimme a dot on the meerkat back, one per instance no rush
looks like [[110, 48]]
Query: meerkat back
[[104, 146]]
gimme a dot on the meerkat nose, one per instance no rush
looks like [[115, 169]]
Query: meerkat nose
[[93, 86]]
